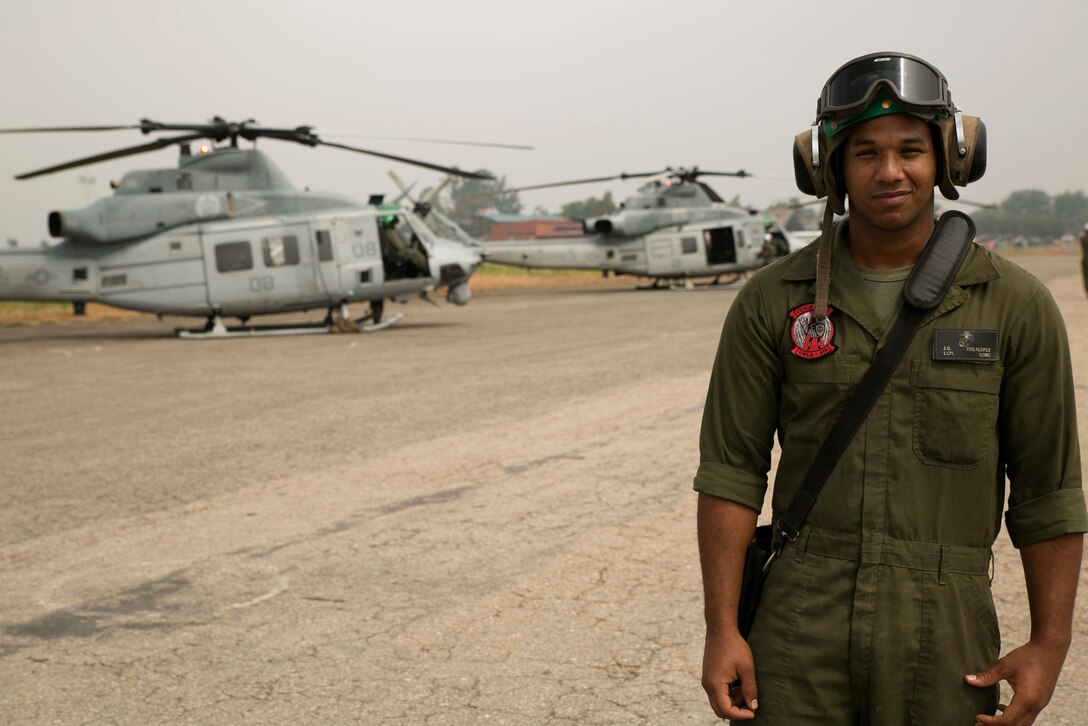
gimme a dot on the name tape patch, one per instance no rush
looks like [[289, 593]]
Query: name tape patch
[[966, 344]]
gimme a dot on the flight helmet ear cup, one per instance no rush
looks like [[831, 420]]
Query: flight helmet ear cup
[[819, 181], [956, 169], [978, 161], [960, 169], [803, 172]]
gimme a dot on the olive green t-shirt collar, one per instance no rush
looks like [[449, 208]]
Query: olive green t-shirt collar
[[848, 292], [976, 269]]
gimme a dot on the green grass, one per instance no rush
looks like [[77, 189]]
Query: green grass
[[33, 307], [490, 269]]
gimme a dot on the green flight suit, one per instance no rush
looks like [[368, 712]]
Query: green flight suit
[[1084, 259], [401, 258], [883, 604]]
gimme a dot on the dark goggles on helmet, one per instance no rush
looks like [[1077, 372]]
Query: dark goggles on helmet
[[918, 85]]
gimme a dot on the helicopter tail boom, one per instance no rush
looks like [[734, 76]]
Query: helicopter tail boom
[[42, 276]]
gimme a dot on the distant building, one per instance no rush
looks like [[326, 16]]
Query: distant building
[[503, 227]]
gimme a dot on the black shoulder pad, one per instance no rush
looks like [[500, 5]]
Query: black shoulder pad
[[936, 268]]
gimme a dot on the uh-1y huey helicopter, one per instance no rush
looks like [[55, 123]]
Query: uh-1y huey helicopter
[[225, 234], [675, 228]]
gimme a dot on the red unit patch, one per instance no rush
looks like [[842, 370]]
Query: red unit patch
[[811, 338]]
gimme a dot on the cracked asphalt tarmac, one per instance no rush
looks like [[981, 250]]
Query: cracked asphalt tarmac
[[482, 515]]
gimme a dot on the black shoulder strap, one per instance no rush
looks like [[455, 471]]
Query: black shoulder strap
[[924, 289]]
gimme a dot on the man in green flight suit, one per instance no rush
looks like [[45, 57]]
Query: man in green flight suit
[[401, 257], [880, 611], [1084, 257]]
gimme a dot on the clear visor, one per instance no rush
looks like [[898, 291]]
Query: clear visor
[[913, 81]]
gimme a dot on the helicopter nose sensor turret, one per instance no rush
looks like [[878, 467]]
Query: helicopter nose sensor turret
[[459, 294]]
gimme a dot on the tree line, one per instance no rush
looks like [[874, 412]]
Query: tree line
[[467, 200], [1034, 213], [1023, 213]]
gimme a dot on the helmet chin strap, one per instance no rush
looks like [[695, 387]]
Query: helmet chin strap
[[823, 266]]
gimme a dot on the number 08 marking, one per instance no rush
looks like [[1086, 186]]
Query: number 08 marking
[[262, 284]]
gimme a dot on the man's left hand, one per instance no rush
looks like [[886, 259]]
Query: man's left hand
[[1032, 671]]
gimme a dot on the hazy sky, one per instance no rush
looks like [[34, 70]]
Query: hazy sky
[[597, 86]]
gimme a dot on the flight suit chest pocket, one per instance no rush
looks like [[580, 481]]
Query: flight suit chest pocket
[[812, 393], [955, 412]]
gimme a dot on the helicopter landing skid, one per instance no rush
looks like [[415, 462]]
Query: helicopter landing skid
[[249, 331], [730, 279], [218, 331], [387, 323]]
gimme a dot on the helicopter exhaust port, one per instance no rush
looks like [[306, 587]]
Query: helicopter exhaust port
[[597, 225], [77, 225], [56, 224]]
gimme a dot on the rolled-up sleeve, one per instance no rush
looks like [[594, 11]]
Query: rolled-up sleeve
[[1038, 427], [741, 411]]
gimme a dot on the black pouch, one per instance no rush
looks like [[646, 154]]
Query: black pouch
[[751, 586]]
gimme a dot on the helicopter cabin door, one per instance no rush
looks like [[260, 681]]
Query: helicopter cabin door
[[258, 270], [660, 255], [349, 261], [721, 246], [323, 236], [338, 247]]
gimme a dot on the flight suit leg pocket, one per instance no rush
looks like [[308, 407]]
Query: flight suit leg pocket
[[955, 412], [959, 635], [800, 640]]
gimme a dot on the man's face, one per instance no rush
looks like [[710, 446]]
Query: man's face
[[890, 169]]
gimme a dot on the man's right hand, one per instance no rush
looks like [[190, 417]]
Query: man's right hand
[[729, 676]]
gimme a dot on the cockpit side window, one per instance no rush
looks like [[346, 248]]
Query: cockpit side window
[[233, 256], [280, 251]]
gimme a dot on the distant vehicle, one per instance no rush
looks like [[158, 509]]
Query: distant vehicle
[[225, 234]]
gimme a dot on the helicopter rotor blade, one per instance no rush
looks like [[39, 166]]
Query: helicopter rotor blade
[[433, 194], [404, 188], [979, 205], [404, 160], [709, 190], [421, 206], [591, 181], [405, 194], [116, 154], [739, 173], [455, 142], [55, 129], [218, 129]]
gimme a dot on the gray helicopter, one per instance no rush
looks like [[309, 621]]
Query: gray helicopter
[[226, 234], [676, 228]]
